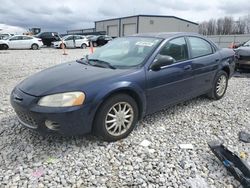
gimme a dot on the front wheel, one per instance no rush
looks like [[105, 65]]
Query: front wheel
[[219, 85], [116, 118], [5, 47]]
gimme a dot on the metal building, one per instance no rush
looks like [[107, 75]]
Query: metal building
[[81, 31], [118, 27]]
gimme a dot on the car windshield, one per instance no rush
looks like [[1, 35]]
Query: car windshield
[[5, 37], [126, 52], [247, 43]]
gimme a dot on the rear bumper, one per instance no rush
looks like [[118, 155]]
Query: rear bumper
[[243, 64], [69, 121]]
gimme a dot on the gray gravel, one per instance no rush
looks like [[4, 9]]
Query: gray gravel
[[30, 160]]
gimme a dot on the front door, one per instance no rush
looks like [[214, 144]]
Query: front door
[[15, 42], [69, 42], [172, 83]]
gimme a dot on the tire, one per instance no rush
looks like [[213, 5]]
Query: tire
[[222, 79], [61, 45], [83, 46], [118, 128], [34, 47], [5, 47], [95, 44]]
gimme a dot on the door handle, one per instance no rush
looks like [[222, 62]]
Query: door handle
[[187, 67]]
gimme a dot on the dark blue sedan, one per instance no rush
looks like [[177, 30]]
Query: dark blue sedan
[[107, 92]]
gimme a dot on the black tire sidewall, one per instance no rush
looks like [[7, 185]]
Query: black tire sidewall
[[5, 47], [218, 75], [99, 128]]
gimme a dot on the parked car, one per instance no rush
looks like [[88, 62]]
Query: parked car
[[72, 41], [21, 42], [48, 37], [100, 40], [4, 36], [243, 56], [107, 92]]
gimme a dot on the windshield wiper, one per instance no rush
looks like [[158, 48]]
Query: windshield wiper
[[100, 63], [84, 61]]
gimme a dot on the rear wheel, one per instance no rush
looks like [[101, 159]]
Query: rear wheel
[[116, 118], [83, 46], [34, 47], [219, 86]]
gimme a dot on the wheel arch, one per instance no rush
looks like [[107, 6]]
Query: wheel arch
[[34, 44], [139, 99], [5, 44], [226, 69]]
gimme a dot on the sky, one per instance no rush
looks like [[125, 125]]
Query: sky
[[63, 15]]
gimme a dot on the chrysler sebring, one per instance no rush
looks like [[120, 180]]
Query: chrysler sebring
[[107, 92]]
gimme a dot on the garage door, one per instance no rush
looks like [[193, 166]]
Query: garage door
[[129, 29], [113, 30]]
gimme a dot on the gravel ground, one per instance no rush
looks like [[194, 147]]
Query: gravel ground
[[30, 160]]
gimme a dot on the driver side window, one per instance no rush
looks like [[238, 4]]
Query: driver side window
[[16, 38], [176, 48]]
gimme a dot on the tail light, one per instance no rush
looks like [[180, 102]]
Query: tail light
[[40, 40]]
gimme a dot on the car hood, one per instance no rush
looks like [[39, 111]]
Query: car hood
[[65, 77], [3, 41]]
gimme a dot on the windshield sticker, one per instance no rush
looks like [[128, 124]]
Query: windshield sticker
[[144, 43]]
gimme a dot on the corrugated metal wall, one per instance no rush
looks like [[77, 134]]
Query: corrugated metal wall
[[225, 41]]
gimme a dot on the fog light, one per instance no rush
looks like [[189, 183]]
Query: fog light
[[52, 125]]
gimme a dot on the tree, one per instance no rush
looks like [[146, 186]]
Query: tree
[[227, 25], [211, 27], [219, 28]]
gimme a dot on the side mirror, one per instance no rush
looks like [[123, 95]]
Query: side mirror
[[161, 61]]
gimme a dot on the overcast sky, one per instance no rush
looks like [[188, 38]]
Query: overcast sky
[[64, 15]]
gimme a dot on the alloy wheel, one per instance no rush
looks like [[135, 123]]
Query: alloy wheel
[[119, 118], [221, 85]]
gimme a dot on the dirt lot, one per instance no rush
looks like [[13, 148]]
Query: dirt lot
[[30, 160]]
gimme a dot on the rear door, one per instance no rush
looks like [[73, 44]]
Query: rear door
[[205, 62], [79, 40], [172, 83], [26, 42]]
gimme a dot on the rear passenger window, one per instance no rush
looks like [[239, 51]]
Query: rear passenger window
[[27, 38], [199, 47], [176, 48]]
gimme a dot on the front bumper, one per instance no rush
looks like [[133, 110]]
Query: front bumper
[[56, 45], [69, 120]]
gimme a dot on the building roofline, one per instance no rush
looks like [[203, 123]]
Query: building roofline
[[81, 29], [145, 15]]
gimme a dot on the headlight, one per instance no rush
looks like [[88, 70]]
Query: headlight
[[63, 99]]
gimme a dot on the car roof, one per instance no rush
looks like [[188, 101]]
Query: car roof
[[22, 36], [165, 35]]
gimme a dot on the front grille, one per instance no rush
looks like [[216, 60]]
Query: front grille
[[27, 120]]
